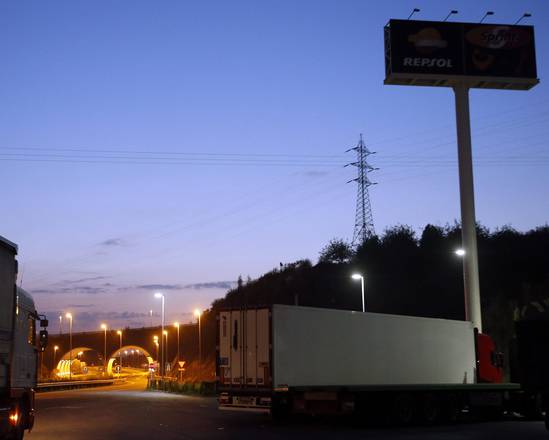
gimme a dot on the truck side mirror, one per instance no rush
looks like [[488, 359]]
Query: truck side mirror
[[43, 341]]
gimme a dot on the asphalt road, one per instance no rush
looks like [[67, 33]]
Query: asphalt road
[[124, 412]]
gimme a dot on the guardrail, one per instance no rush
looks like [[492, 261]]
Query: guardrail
[[58, 386]]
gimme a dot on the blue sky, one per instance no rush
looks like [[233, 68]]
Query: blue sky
[[148, 145]]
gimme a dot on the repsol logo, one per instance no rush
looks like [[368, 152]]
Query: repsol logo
[[428, 62]]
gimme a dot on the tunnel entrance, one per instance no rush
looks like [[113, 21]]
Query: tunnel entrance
[[130, 359], [80, 363]]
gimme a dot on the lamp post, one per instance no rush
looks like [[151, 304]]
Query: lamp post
[[151, 315], [119, 333], [104, 327], [160, 295], [357, 276], [167, 357], [69, 317], [460, 252], [55, 348], [198, 313], [176, 325], [60, 325], [155, 339]]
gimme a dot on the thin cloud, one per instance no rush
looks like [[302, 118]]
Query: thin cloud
[[88, 290], [225, 285], [113, 242], [90, 320], [159, 287], [315, 173], [84, 280], [44, 291]]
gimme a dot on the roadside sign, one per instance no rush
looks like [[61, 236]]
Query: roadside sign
[[434, 53]]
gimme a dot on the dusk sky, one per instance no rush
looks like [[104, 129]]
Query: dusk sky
[[172, 146]]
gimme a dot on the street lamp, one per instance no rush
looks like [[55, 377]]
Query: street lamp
[[198, 313], [104, 327], [69, 317], [165, 333], [486, 15], [119, 333], [160, 295], [55, 348], [357, 276], [151, 315], [176, 325], [60, 325], [460, 252]]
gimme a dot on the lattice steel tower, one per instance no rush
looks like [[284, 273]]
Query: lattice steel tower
[[364, 221]]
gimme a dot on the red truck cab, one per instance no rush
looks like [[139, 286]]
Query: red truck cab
[[489, 361]]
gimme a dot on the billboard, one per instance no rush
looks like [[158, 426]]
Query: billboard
[[432, 53]]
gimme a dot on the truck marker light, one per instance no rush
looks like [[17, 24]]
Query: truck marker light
[[282, 388], [14, 418]]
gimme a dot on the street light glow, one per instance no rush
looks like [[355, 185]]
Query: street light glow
[[197, 312], [165, 332], [103, 326], [460, 252], [68, 316], [118, 332], [158, 295], [356, 276], [176, 324], [55, 348]]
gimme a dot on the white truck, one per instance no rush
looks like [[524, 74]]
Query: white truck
[[18, 348], [289, 359]]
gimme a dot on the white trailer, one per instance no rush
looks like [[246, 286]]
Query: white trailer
[[18, 349], [301, 359]]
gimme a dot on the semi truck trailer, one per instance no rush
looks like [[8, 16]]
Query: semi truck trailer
[[289, 359], [18, 348]]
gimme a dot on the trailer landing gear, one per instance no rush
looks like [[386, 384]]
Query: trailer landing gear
[[402, 409]]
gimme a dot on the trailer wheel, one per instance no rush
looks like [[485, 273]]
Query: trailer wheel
[[280, 409], [403, 409], [429, 408], [451, 408]]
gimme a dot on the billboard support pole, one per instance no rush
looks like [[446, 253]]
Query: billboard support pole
[[467, 200]]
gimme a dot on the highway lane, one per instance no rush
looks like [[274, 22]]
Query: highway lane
[[127, 411]]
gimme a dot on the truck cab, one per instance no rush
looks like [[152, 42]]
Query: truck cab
[[18, 349]]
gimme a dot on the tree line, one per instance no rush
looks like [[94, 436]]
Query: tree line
[[416, 275]]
